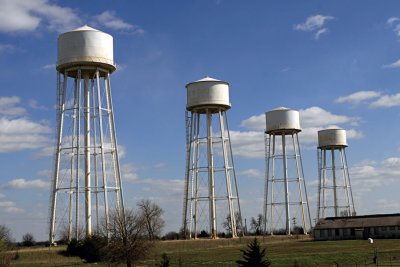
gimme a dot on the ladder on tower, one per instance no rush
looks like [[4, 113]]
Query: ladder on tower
[[188, 123], [267, 147], [59, 86]]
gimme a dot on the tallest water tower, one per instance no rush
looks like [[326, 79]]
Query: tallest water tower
[[86, 182]]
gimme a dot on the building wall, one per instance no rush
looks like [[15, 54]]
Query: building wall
[[357, 233]]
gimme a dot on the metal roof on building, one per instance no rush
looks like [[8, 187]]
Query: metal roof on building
[[375, 220]]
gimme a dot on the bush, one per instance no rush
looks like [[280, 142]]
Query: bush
[[171, 236], [203, 233], [89, 249], [73, 248]]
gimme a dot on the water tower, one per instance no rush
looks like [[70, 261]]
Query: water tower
[[86, 182], [211, 197], [335, 197], [286, 206]]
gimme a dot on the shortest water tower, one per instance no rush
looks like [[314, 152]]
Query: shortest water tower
[[286, 207], [335, 197], [211, 197]]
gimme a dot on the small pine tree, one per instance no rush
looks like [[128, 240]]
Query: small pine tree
[[253, 256]]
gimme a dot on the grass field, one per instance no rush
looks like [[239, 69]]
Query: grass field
[[282, 251]]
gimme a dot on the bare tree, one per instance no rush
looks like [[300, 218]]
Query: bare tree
[[151, 213], [28, 240], [128, 240], [227, 223], [256, 224]]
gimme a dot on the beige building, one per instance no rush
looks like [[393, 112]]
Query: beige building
[[358, 227]]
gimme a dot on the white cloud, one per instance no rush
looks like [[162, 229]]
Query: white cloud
[[315, 24], [387, 101], [394, 23], [369, 175], [358, 97], [23, 184], [248, 144], [316, 116], [392, 20], [393, 65], [9, 207], [8, 106], [256, 122], [28, 16], [20, 134], [319, 32], [110, 20]]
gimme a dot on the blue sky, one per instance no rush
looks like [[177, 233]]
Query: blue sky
[[337, 62]]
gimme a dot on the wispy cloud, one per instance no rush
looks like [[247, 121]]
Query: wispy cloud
[[35, 105], [10, 207], [315, 23], [28, 16], [110, 20], [393, 65], [319, 32], [392, 20], [358, 97], [8, 106], [24, 184], [378, 100], [386, 101], [48, 66], [394, 23]]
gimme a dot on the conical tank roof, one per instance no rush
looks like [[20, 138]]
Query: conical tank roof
[[207, 94], [85, 47], [84, 28], [207, 79]]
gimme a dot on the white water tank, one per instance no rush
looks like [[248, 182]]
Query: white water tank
[[282, 121], [207, 93], [85, 46], [332, 138]]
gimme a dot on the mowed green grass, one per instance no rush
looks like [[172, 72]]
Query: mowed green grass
[[282, 251]]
